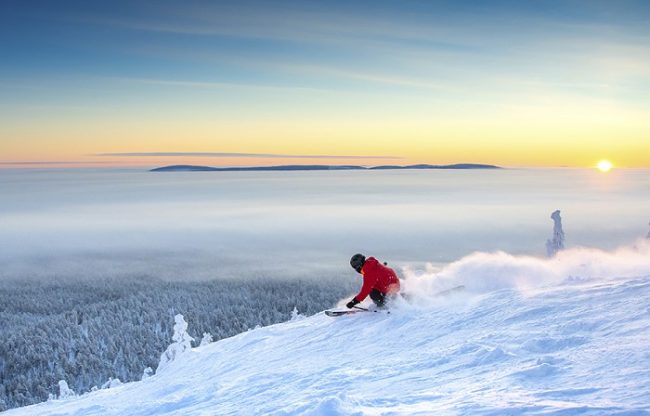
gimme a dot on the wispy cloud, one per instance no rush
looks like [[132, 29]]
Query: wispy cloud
[[366, 77], [45, 162], [238, 155], [298, 24], [214, 85], [377, 78]]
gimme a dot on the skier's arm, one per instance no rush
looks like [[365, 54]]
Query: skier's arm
[[368, 284]]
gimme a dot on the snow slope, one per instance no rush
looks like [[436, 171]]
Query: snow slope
[[569, 335]]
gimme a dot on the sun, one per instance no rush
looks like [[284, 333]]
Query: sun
[[604, 166]]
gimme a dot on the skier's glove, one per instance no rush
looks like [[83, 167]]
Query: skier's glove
[[351, 303]]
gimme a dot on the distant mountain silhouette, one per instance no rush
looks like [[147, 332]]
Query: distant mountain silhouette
[[425, 166], [195, 168]]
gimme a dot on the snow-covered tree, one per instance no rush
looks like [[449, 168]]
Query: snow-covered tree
[[557, 242], [207, 339], [64, 390], [648, 236], [182, 343], [112, 382], [148, 372], [295, 315]]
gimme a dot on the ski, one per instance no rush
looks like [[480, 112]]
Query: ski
[[341, 313]]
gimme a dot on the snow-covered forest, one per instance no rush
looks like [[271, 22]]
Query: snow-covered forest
[[565, 335], [86, 332]]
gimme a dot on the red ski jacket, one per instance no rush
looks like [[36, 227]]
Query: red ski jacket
[[377, 276]]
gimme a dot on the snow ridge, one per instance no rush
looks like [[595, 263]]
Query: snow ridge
[[565, 335]]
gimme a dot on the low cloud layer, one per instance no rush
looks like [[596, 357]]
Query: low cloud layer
[[202, 225]]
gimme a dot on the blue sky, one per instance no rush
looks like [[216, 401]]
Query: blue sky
[[132, 39], [98, 63]]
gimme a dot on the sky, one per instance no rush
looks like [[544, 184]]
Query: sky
[[123, 83]]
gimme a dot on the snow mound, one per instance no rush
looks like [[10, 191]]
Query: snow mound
[[567, 335]]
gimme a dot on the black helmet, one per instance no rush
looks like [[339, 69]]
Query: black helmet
[[357, 262]]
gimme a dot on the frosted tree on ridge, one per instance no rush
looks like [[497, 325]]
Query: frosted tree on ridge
[[182, 343], [557, 243], [206, 339], [64, 390], [648, 236], [112, 382], [295, 315], [148, 372]]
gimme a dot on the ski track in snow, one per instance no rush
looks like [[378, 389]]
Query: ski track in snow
[[569, 349]]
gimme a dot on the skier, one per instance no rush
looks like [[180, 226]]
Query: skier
[[379, 281]]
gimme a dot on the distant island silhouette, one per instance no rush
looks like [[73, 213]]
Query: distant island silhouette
[[196, 168]]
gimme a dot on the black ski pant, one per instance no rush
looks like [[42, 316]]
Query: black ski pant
[[378, 297]]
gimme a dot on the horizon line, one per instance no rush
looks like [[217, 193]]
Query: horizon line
[[107, 165]]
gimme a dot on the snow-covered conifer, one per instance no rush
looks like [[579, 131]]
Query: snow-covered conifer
[[112, 382], [207, 339], [148, 372], [64, 390], [295, 315], [557, 242], [182, 343]]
